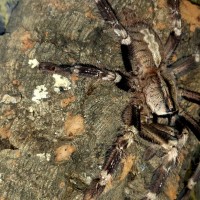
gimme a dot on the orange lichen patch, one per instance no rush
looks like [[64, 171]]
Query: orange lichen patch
[[46, 34], [17, 153], [26, 41], [57, 4], [172, 187], [191, 14], [9, 113], [16, 82], [174, 57], [12, 163], [90, 15], [64, 152], [162, 3], [62, 185], [65, 102], [5, 131], [128, 163], [74, 78], [160, 26], [74, 125], [150, 9]]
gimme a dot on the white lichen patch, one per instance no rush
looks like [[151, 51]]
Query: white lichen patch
[[39, 93], [1, 177], [33, 63], [151, 196], [87, 179], [61, 82], [44, 156], [197, 57]]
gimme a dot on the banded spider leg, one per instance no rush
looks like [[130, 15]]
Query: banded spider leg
[[81, 70]]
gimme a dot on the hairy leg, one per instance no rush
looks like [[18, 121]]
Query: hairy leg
[[109, 16], [175, 34], [116, 154], [194, 126], [81, 70], [190, 95], [162, 135], [166, 138], [185, 65], [171, 143], [185, 192], [186, 118], [191, 123]]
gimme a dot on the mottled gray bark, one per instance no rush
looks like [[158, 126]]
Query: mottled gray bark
[[72, 31]]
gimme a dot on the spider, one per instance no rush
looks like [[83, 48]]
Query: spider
[[154, 112]]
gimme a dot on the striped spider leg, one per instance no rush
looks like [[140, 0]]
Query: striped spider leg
[[81, 70]]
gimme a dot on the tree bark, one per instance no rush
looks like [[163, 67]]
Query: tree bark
[[51, 148]]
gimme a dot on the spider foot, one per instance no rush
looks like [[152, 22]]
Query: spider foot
[[161, 174], [112, 161], [94, 191], [168, 162]]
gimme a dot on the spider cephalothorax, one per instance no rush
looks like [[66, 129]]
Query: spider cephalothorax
[[154, 111]]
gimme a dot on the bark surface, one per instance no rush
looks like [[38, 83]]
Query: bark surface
[[51, 148]]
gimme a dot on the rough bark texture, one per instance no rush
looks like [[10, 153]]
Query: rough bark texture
[[52, 149]]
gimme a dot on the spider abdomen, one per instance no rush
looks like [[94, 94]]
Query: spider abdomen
[[157, 95], [147, 48]]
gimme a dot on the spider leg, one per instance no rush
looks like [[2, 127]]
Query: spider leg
[[185, 65], [108, 15], [115, 155], [175, 34], [185, 192], [158, 134], [161, 173], [165, 137], [188, 120], [81, 70], [194, 126], [191, 123], [190, 95]]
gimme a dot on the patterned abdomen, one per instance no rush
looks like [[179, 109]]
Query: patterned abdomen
[[147, 47], [157, 96]]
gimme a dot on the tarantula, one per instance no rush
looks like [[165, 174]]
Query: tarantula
[[154, 112]]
